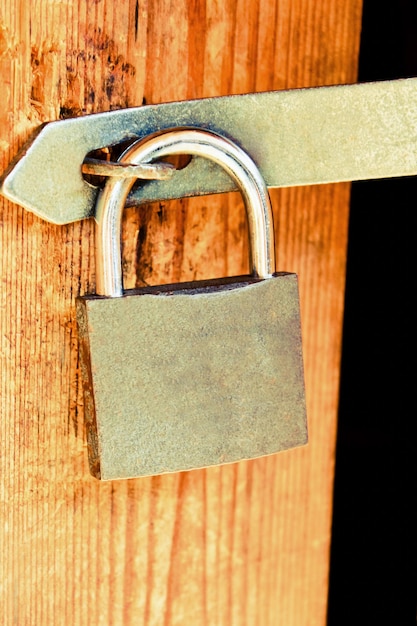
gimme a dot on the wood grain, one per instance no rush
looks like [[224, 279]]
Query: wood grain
[[241, 544]]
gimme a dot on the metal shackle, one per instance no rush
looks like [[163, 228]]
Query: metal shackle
[[222, 151]]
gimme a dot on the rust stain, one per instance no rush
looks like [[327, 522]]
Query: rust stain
[[99, 57]]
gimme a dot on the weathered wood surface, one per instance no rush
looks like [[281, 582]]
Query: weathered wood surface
[[242, 544]]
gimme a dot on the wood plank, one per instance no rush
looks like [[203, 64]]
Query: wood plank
[[241, 544]]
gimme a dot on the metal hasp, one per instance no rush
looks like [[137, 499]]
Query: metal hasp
[[187, 376], [297, 137]]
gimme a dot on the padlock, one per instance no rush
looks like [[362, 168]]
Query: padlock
[[185, 376]]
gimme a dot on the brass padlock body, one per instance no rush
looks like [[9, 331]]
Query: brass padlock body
[[192, 375]]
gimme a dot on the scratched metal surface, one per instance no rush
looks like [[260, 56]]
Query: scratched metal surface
[[192, 378]]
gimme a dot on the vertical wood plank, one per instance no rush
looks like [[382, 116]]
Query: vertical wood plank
[[242, 544]]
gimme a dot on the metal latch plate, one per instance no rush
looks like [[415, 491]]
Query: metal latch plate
[[297, 137]]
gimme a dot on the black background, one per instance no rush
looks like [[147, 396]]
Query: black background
[[372, 573]]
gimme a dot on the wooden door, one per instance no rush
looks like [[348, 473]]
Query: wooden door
[[242, 544]]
